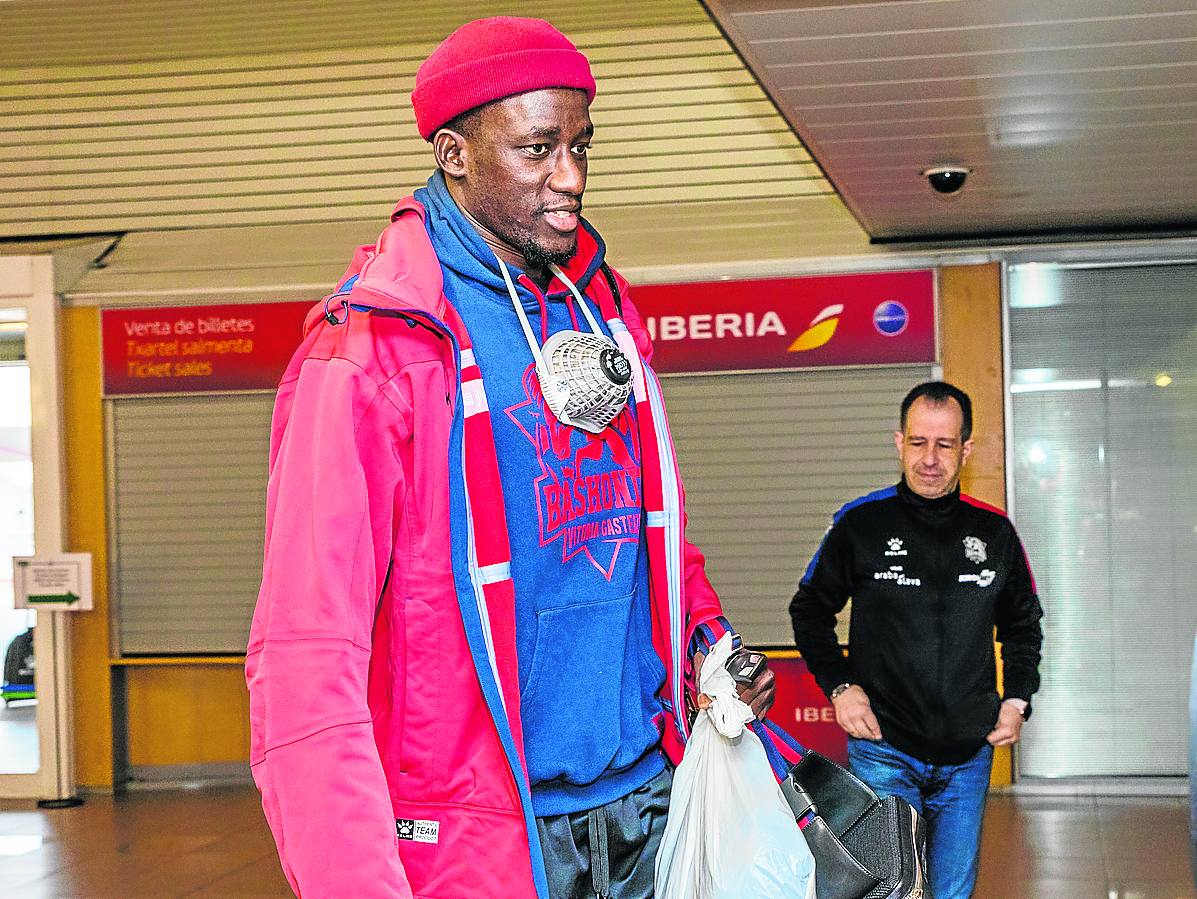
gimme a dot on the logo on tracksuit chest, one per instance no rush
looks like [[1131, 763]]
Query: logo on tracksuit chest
[[895, 547], [588, 494], [975, 552]]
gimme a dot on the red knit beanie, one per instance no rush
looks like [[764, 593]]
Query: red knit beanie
[[490, 59]]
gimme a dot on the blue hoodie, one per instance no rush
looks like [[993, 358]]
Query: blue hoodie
[[589, 678]]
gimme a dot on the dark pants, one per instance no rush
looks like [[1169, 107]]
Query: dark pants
[[609, 851]]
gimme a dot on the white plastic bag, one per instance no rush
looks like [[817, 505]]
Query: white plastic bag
[[730, 833]]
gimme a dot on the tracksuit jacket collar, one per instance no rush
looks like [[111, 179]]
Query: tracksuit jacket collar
[[940, 506]]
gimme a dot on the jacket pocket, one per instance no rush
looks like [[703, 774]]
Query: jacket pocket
[[421, 720]]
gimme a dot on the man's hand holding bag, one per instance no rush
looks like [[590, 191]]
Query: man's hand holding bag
[[730, 832]]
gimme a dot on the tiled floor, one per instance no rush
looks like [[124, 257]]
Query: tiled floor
[[1086, 847], [214, 843]]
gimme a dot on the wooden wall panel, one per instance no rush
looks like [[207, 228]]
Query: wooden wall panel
[[970, 309], [187, 714], [86, 531]]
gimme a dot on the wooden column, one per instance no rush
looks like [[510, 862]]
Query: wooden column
[[970, 328], [87, 531], [970, 316]]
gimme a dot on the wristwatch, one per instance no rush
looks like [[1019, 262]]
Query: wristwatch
[[836, 691]]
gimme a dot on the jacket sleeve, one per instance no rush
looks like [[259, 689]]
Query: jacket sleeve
[[333, 481], [1017, 615], [705, 623], [824, 591]]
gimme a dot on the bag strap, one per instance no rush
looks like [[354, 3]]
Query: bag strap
[[800, 802], [782, 750]]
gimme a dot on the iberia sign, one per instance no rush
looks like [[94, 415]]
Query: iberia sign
[[188, 349], [881, 318]]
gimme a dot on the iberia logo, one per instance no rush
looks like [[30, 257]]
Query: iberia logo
[[820, 330], [588, 492]]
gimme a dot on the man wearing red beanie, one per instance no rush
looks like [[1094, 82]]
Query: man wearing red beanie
[[479, 621]]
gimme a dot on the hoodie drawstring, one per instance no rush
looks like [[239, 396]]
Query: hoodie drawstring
[[600, 865], [573, 312], [544, 318]]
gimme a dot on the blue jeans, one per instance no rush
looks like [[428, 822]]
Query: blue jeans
[[951, 799]]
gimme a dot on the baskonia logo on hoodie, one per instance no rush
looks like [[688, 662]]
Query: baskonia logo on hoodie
[[588, 494]]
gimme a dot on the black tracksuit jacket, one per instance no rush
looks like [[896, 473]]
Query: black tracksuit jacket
[[929, 581]]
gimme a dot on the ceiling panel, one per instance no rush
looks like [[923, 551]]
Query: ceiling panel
[[246, 115], [70, 32], [1076, 116]]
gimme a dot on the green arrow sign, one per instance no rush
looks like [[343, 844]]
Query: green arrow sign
[[67, 598]]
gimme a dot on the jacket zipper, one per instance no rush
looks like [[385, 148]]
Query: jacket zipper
[[386, 583], [939, 607], [417, 319], [414, 318]]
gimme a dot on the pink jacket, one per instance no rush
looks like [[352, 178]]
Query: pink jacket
[[381, 663]]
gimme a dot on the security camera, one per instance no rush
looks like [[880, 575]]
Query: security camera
[[946, 179]]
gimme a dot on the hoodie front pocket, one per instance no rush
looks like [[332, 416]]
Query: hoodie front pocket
[[583, 704]]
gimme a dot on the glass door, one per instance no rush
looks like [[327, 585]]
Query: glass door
[[19, 752], [35, 739], [1104, 400]]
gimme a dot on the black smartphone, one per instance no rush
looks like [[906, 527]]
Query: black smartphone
[[744, 665]]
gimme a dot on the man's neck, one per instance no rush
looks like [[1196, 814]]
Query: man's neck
[[540, 277]]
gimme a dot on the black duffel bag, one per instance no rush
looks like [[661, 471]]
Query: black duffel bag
[[864, 847]]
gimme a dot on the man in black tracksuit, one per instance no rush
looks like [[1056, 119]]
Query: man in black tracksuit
[[931, 573]]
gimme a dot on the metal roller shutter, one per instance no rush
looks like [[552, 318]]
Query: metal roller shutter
[[766, 459], [188, 514], [328, 135]]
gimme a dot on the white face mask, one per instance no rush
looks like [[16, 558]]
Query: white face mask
[[585, 379]]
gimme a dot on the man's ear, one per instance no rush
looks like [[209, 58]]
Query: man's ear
[[451, 151], [967, 450], [898, 435]]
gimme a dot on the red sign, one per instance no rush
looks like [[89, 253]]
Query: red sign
[[802, 710], [198, 349], [881, 318]]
